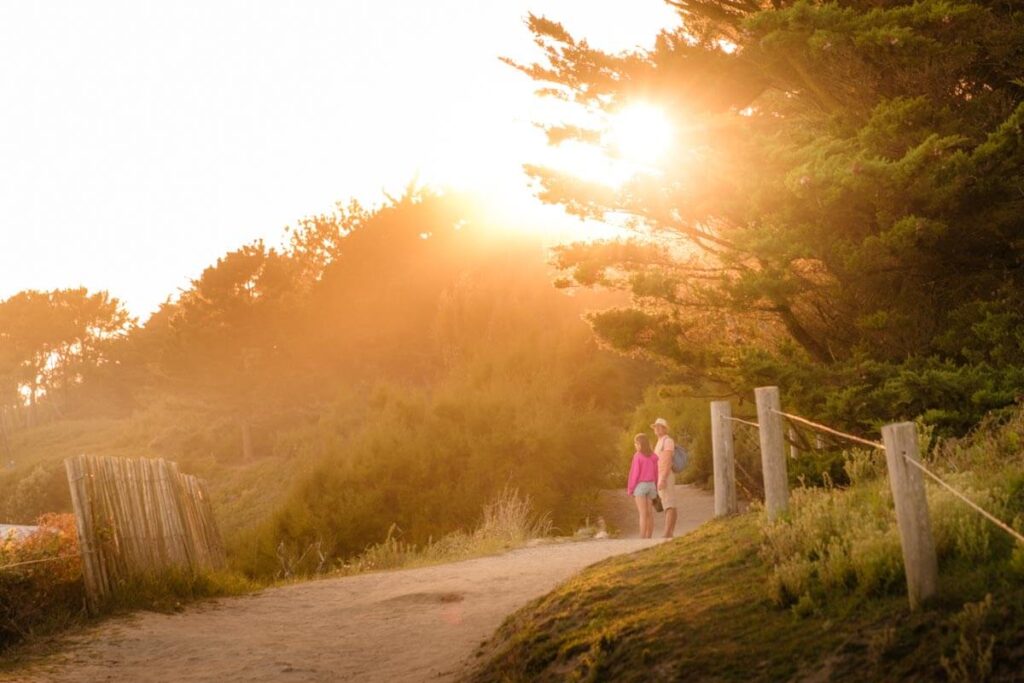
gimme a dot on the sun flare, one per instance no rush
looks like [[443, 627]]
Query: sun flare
[[641, 133], [633, 141]]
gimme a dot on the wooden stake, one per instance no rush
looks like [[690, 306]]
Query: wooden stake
[[723, 458], [908, 493], [773, 454]]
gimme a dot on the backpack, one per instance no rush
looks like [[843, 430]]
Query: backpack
[[680, 458]]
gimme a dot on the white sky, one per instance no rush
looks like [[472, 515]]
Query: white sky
[[141, 140]]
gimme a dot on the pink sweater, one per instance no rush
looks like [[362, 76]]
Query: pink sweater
[[644, 468]]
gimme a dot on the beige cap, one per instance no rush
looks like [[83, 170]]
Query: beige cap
[[660, 421]]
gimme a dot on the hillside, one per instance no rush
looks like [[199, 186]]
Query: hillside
[[819, 594], [697, 609]]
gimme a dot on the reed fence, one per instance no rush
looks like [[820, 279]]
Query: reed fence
[[137, 518]]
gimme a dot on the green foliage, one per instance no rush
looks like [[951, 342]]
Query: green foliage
[[51, 343], [836, 543], [818, 593], [972, 659], [170, 590], [818, 223], [428, 462], [831, 543]]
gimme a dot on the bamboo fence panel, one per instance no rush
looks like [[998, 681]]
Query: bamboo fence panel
[[139, 517]]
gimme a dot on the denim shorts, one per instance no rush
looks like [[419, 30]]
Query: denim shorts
[[645, 489]]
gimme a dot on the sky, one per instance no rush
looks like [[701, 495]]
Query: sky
[[140, 141]]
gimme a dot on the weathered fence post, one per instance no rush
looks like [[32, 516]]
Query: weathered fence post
[[773, 455], [908, 493], [723, 458], [91, 574], [794, 449]]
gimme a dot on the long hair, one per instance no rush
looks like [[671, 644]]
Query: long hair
[[644, 444]]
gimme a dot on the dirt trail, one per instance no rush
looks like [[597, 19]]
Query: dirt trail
[[410, 625]]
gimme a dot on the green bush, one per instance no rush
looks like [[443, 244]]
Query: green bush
[[429, 461]]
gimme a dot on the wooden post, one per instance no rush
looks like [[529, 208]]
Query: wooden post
[[723, 458], [794, 450], [773, 454], [90, 573], [908, 493]]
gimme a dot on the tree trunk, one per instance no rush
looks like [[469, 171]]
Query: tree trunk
[[32, 414], [246, 439], [5, 443], [802, 337]]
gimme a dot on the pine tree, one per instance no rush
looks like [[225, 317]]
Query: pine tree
[[842, 209]]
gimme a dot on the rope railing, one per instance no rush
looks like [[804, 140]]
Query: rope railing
[[909, 491], [45, 559], [829, 430], [874, 444], [741, 421], [992, 518]]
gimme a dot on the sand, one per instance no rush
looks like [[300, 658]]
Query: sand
[[410, 625]]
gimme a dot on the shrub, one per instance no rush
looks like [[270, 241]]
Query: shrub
[[972, 657], [843, 541], [41, 588], [429, 461]]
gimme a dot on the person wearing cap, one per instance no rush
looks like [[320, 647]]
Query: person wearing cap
[[666, 479]]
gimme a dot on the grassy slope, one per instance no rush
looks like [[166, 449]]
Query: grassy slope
[[243, 493], [698, 609]]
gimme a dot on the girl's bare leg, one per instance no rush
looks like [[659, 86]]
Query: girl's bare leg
[[641, 509], [648, 518]]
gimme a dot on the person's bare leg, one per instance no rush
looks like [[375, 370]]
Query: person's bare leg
[[650, 518], [670, 522], [641, 509]]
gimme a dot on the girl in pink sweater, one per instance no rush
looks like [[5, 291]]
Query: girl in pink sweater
[[643, 486]]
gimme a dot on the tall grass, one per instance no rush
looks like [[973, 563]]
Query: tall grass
[[837, 543], [509, 521]]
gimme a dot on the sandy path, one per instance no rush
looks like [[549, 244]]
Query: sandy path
[[409, 625]]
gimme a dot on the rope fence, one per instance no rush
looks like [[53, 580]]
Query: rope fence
[[992, 518], [874, 444], [900, 447], [45, 559], [829, 430], [741, 421]]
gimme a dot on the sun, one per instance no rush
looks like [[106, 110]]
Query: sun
[[633, 141], [640, 133]]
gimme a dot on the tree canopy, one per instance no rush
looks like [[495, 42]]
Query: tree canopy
[[839, 213], [50, 342]]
